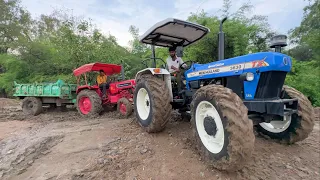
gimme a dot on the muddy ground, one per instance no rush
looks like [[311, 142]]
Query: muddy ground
[[62, 145]]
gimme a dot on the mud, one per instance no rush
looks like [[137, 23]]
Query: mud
[[62, 145], [317, 113]]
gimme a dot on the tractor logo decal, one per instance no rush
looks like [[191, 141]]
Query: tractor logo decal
[[234, 67], [215, 65], [122, 85], [258, 63]]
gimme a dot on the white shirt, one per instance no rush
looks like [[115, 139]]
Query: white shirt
[[176, 63]]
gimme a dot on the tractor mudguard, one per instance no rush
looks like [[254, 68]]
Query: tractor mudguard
[[158, 71]]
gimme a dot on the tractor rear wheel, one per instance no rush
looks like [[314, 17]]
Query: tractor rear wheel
[[32, 106], [124, 107], [295, 127], [222, 132], [152, 103], [89, 103]]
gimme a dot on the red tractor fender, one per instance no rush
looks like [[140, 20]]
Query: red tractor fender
[[80, 88]]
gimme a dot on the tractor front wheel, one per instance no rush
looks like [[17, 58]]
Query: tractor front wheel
[[124, 107], [89, 103], [152, 103], [295, 127], [222, 132], [32, 106]]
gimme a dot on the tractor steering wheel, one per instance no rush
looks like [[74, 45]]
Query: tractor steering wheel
[[181, 66], [188, 66]]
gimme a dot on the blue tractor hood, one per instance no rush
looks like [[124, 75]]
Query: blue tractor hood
[[256, 63]]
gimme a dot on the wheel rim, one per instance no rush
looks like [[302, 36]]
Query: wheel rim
[[85, 105], [143, 103], [30, 104], [28, 107], [277, 126], [211, 133], [123, 109]]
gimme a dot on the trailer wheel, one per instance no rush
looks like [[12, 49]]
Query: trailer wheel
[[152, 103], [89, 103], [32, 106], [124, 107], [295, 127], [222, 132]]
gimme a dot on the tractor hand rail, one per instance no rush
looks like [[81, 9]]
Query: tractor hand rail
[[144, 61]]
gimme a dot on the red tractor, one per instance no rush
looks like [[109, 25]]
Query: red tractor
[[89, 95]]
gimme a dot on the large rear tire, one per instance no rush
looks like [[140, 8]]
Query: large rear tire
[[32, 106], [152, 103], [294, 128], [89, 103], [222, 132]]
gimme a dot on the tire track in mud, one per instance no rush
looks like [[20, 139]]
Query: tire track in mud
[[112, 162], [17, 155]]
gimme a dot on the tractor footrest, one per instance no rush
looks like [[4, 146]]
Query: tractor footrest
[[279, 107]]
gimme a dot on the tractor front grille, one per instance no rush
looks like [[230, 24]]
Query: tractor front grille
[[270, 84]]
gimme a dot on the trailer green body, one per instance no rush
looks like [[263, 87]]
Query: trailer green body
[[58, 93]]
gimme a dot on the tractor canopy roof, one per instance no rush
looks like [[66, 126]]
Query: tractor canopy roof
[[174, 32], [109, 69]]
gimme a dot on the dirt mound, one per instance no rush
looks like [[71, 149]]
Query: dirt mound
[[4, 102], [9, 109]]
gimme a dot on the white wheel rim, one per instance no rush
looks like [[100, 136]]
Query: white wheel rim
[[213, 143], [277, 126], [143, 103]]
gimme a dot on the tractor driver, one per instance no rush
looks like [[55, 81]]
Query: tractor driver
[[102, 82], [173, 64]]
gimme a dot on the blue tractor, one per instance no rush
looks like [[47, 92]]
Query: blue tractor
[[225, 99]]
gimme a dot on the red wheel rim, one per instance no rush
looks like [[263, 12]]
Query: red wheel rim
[[85, 105], [123, 108]]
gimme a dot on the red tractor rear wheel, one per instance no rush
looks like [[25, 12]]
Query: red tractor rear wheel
[[124, 107], [89, 103]]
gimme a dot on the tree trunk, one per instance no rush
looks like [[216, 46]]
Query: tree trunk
[[3, 93]]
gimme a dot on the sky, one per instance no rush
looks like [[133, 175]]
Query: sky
[[115, 16]]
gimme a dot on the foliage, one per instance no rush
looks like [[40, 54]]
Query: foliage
[[242, 35], [15, 25], [308, 33], [305, 78], [14, 70]]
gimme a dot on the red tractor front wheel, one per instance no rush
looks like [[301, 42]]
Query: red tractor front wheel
[[124, 107], [89, 103]]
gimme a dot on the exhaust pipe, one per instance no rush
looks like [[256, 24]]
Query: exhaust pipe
[[122, 70], [221, 41]]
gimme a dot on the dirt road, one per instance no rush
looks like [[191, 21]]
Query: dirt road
[[62, 145]]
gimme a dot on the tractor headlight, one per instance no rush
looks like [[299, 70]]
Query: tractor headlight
[[249, 76]]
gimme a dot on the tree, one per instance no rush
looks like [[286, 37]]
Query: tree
[[15, 23], [308, 33], [242, 35], [137, 48]]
